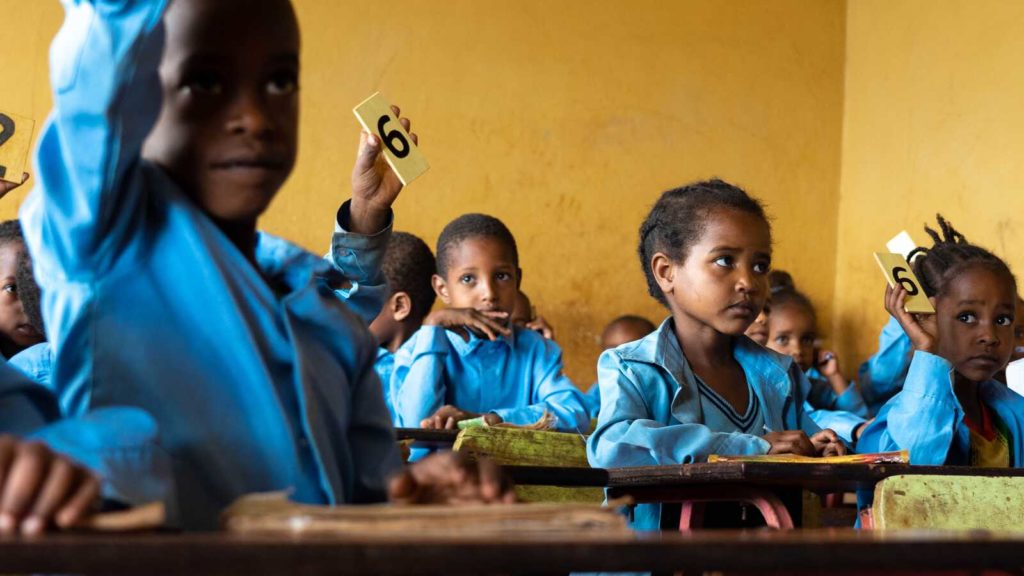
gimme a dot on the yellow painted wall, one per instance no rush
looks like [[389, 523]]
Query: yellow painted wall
[[565, 119], [933, 123]]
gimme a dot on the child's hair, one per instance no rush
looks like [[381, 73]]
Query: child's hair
[[472, 226], [10, 231], [784, 292], [633, 319], [408, 266], [28, 291], [677, 219], [949, 255]]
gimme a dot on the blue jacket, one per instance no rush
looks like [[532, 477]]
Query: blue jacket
[[651, 411], [518, 377], [592, 400], [881, 376], [927, 419], [843, 413], [384, 366], [36, 362], [147, 303]]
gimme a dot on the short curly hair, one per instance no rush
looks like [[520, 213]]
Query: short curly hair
[[408, 267], [472, 226], [950, 255]]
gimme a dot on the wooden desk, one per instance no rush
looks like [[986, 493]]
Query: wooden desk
[[813, 551], [426, 438]]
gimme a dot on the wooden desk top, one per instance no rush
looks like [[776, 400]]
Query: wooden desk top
[[423, 436], [816, 477], [517, 554]]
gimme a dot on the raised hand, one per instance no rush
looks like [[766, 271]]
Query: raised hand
[[485, 324], [375, 186], [920, 328]]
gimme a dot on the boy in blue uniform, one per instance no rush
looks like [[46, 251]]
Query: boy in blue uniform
[[408, 267], [467, 361], [170, 135]]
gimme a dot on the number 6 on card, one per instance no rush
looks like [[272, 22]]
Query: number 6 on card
[[402, 155], [897, 271], [15, 140]]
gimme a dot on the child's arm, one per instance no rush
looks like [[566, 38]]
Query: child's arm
[[882, 375], [628, 434], [106, 98], [553, 392], [363, 226], [451, 478]]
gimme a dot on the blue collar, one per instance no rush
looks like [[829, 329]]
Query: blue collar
[[464, 347]]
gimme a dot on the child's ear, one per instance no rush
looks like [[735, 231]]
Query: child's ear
[[441, 289], [519, 277], [401, 306], [664, 271]]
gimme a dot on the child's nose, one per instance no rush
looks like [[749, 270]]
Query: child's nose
[[249, 115]]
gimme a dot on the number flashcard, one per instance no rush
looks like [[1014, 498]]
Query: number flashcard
[[402, 155], [901, 243], [897, 271], [15, 140]]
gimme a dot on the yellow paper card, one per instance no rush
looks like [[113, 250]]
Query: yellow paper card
[[402, 155], [15, 140], [897, 271]]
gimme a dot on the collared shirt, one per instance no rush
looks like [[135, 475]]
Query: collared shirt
[[652, 412], [926, 418], [36, 362], [384, 366], [149, 304], [518, 377]]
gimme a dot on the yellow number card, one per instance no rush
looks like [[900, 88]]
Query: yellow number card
[[15, 140], [897, 271], [402, 155]]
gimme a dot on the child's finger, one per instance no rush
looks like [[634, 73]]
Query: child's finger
[[450, 424], [62, 477], [406, 123], [396, 111], [415, 138], [369, 149], [31, 461], [80, 504]]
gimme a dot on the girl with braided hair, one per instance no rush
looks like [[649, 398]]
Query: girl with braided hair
[[951, 409]]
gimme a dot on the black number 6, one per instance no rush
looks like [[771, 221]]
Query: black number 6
[[390, 138], [907, 283]]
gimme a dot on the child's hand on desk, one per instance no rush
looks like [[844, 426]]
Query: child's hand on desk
[[790, 442], [827, 443], [374, 185], [448, 417], [484, 324], [451, 478], [6, 186], [920, 328], [39, 487]]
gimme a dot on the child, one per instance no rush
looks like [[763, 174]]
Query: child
[[16, 332], [792, 330], [467, 361], [36, 361], [408, 266], [697, 386], [158, 290], [758, 330], [619, 331], [525, 315], [951, 410]]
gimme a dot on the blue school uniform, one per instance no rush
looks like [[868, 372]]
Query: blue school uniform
[[518, 377], [881, 376], [384, 366], [592, 400], [926, 419], [258, 374], [36, 362], [655, 412], [842, 413]]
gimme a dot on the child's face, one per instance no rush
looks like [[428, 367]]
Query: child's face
[[974, 319], [228, 127], [723, 282], [758, 331], [482, 274], [621, 332], [1018, 332], [791, 331], [14, 325]]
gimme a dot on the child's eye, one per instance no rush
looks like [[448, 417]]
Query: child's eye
[[11, 288], [503, 276], [724, 261], [761, 267], [283, 83], [807, 340], [466, 278], [967, 318], [782, 340], [205, 82], [1004, 321]]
